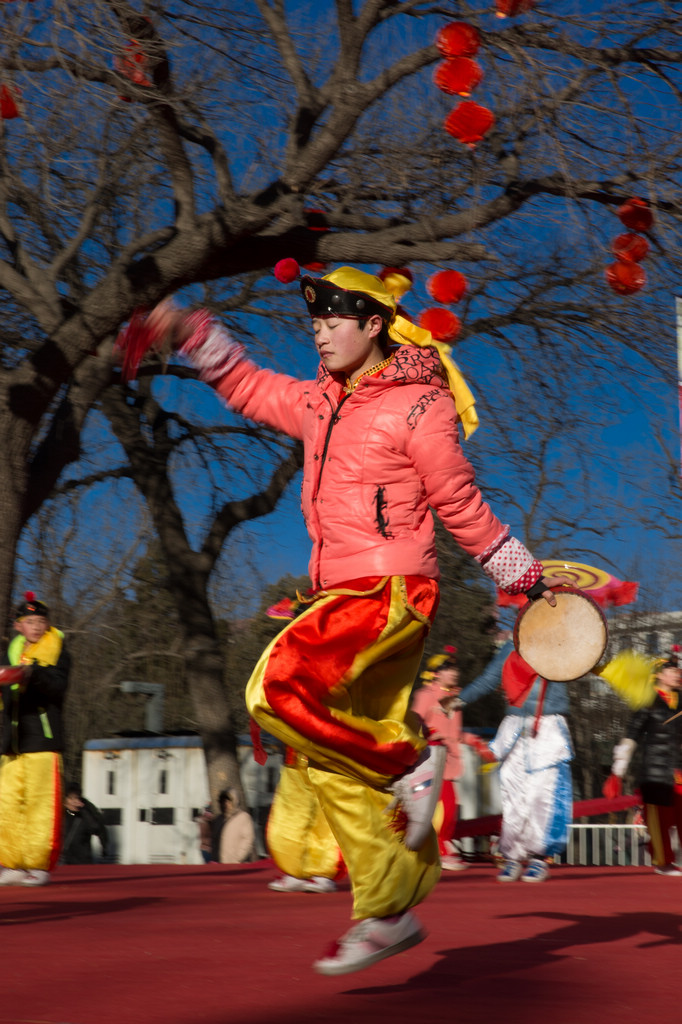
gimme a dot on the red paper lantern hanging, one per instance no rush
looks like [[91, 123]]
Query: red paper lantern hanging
[[443, 325], [447, 286], [316, 220], [469, 122], [458, 77], [134, 64], [636, 214], [458, 40], [625, 278], [8, 106], [630, 248], [510, 8]]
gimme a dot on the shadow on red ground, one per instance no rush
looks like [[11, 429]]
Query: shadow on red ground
[[145, 944]]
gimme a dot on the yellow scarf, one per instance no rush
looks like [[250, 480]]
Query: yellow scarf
[[404, 332], [45, 651]]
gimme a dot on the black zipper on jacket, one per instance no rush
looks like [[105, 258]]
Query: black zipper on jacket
[[332, 423]]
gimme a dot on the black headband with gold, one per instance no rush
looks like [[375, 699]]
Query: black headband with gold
[[325, 299]]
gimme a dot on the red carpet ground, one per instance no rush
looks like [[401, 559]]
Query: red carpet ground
[[166, 944]]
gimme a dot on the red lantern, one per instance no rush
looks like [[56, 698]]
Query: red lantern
[[636, 215], [443, 325], [469, 122], [447, 286], [316, 220], [625, 278], [630, 248], [458, 76], [458, 40], [8, 106], [510, 8], [133, 64]]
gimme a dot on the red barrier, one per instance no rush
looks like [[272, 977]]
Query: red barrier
[[492, 823]]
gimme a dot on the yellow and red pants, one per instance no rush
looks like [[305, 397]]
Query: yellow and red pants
[[30, 810], [335, 686], [659, 820], [298, 835]]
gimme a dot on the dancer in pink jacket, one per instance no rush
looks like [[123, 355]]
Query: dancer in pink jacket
[[379, 428]]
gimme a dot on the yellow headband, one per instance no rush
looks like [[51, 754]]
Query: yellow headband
[[404, 332]]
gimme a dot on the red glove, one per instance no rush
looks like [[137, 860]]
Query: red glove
[[613, 787]]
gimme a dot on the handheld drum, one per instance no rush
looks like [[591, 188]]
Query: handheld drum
[[564, 642], [10, 674]]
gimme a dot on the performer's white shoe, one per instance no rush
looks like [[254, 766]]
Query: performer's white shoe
[[34, 876], [369, 941], [317, 883], [510, 871], [12, 876], [418, 790], [537, 871]]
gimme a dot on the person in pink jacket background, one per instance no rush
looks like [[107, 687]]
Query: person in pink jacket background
[[379, 427], [434, 703]]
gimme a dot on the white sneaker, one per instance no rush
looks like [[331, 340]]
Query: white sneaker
[[668, 869], [510, 871], [418, 790], [369, 941], [287, 883], [12, 876], [35, 877], [318, 883], [537, 871], [452, 862]]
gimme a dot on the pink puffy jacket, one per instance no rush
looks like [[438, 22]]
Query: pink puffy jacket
[[376, 460]]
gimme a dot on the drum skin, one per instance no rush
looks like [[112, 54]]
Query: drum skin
[[564, 642]]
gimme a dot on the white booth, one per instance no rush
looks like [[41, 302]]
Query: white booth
[[151, 788]]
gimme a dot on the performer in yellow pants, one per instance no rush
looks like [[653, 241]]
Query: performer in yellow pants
[[380, 430], [31, 743], [346, 707], [298, 835]]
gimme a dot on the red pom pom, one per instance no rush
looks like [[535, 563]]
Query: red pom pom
[[443, 325], [625, 278], [469, 122], [447, 286], [29, 596], [458, 40], [630, 248], [636, 215], [449, 649], [287, 270]]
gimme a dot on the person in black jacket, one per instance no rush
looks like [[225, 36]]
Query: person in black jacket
[[31, 742], [658, 732], [82, 821]]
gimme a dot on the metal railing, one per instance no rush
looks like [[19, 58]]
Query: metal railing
[[619, 845]]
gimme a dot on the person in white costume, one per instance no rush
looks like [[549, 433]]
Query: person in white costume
[[534, 748]]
